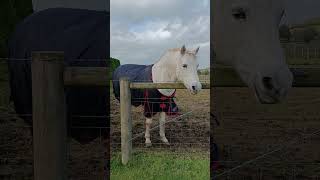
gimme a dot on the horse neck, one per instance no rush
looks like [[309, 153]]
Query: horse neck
[[165, 69]]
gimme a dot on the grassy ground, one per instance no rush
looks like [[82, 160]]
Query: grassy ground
[[186, 158], [161, 166]]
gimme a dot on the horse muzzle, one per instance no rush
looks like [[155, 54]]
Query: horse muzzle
[[195, 88], [273, 89]]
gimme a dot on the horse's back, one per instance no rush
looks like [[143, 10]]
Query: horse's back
[[134, 72], [62, 29], [131, 71], [80, 34]]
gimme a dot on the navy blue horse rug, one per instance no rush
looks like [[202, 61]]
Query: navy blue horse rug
[[82, 35], [152, 100]]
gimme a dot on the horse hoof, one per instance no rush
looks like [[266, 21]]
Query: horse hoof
[[165, 141]]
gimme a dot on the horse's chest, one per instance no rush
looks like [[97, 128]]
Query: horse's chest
[[153, 102]]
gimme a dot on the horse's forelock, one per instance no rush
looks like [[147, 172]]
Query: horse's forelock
[[187, 52]]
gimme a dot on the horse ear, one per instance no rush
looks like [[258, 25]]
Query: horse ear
[[197, 50], [183, 50]]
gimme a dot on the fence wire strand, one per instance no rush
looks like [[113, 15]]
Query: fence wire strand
[[155, 127], [303, 137]]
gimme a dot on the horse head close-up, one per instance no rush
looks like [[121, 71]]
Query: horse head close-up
[[179, 65], [246, 36]]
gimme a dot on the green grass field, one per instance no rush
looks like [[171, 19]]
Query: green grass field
[[161, 166]]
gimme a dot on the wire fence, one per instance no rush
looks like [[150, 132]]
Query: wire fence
[[186, 133], [84, 161], [254, 133], [266, 142], [301, 51]]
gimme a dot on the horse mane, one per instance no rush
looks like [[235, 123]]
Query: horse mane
[[174, 50], [178, 49]]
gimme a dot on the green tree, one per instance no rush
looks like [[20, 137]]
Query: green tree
[[309, 34], [114, 63]]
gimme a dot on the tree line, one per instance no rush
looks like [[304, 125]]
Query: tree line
[[305, 35]]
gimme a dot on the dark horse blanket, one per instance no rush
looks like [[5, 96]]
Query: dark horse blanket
[[152, 100], [80, 34]]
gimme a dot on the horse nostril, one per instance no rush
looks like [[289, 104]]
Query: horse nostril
[[194, 88], [267, 82]]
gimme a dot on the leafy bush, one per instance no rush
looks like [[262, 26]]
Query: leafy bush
[[310, 34], [114, 63]]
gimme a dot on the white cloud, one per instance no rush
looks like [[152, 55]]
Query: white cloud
[[152, 31], [141, 4], [141, 32]]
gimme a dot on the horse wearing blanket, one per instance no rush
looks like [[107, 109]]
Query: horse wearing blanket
[[174, 66]]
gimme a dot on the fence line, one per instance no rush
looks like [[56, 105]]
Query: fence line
[[139, 85], [310, 78], [125, 110], [223, 76], [268, 153], [172, 120], [301, 51], [49, 108], [306, 76]]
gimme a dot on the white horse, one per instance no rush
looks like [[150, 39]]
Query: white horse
[[246, 36], [176, 65]]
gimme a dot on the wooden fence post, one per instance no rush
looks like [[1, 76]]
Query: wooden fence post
[[49, 116], [126, 124]]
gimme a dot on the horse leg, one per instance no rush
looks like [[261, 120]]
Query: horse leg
[[147, 134], [162, 122]]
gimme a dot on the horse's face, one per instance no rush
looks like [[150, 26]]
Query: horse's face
[[187, 70], [245, 36]]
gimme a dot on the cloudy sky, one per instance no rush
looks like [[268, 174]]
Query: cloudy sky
[[141, 31], [301, 10]]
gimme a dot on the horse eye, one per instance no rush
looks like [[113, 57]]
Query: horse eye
[[184, 66], [239, 14]]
